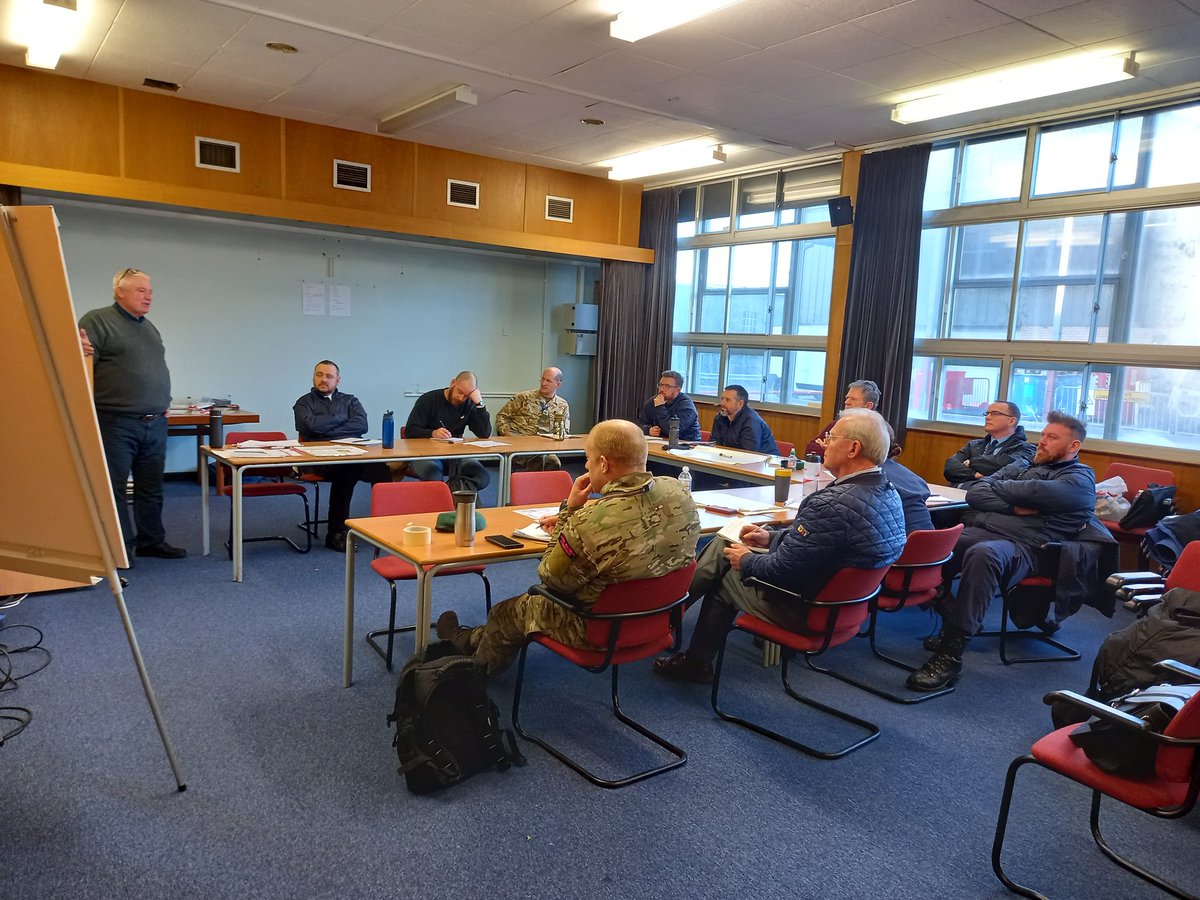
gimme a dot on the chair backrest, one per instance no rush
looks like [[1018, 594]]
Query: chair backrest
[[1137, 478], [539, 487], [785, 447], [851, 588], [400, 498], [1179, 763], [1186, 572], [705, 435], [636, 596], [918, 571], [232, 438]]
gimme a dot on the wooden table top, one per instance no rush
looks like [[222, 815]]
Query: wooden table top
[[201, 417], [416, 448]]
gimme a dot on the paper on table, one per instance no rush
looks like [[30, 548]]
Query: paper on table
[[487, 443], [362, 441], [937, 500], [539, 512], [449, 440], [533, 532], [252, 443], [340, 450], [256, 452]]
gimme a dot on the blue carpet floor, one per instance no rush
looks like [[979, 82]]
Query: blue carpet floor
[[293, 790]]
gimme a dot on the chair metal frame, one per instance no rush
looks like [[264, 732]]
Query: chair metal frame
[[313, 526], [1124, 721], [1048, 555], [607, 661], [469, 569], [267, 489], [778, 635]]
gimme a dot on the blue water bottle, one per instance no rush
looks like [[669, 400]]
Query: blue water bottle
[[389, 430]]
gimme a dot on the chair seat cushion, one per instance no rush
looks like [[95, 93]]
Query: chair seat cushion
[[796, 641], [268, 489], [1127, 533], [592, 656], [1058, 752], [393, 568]]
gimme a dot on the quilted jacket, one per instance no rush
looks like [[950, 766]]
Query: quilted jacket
[[857, 521]]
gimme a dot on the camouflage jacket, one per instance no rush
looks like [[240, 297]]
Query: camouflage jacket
[[641, 527], [523, 414]]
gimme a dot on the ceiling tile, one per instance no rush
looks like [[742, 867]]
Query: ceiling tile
[[1002, 46], [614, 74], [922, 22], [840, 46], [535, 51], [765, 23], [1098, 20], [184, 32], [906, 70], [451, 22], [690, 50], [762, 71]]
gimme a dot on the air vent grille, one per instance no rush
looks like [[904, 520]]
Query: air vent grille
[[462, 193], [214, 154], [351, 176], [560, 209]]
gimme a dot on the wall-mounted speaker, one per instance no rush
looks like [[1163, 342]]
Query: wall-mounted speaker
[[840, 212]]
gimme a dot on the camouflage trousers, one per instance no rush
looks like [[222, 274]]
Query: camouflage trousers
[[498, 642], [547, 463]]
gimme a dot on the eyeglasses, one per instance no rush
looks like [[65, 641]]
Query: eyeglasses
[[666, 384], [836, 437], [996, 412]]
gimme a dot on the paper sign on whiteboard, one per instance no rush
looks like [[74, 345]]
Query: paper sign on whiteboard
[[339, 300], [313, 296]]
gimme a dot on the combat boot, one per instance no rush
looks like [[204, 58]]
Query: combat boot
[[945, 667]]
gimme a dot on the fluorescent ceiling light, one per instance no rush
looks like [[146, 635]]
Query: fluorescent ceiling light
[[430, 110], [1014, 85], [646, 17], [669, 158], [47, 28]]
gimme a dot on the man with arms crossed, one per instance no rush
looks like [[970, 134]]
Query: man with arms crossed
[[1017, 510], [537, 412], [737, 425], [324, 414], [132, 390], [446, 413], [1003, 443], [856, 521], [641, 526]]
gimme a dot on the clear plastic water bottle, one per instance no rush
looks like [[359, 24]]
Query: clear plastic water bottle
[[792, 461], [685, 478]]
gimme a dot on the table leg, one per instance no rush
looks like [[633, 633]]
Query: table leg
[[204, 506], [348, 637], [424, 609], [235, 534]]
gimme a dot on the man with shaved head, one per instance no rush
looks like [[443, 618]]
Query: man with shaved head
[[641, 526], [446, 413], [537, 412]]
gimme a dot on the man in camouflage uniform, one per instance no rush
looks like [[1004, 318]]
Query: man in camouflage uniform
[[537, 412], [640, 527]]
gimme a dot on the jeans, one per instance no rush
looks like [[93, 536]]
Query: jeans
[[132, 445]]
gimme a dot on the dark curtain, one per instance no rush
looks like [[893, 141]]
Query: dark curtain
[[633, 343], [881, 302]]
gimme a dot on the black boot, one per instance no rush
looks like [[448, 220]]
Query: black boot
[[945, 666]]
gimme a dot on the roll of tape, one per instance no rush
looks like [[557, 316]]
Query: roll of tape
[[416, 535]]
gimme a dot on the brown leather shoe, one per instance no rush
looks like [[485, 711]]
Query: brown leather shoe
[[677, 667]]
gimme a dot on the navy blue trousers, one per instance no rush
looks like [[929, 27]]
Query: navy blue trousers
[[132, 445]]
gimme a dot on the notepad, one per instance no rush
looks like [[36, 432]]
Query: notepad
[[732, 532], [340, 450], [533, 532], [487, 443], [253, 443]]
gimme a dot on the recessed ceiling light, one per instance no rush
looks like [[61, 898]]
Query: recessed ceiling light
[[591, 121], [280, 47]]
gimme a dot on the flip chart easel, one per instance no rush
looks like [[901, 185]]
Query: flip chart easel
[[60, 517]]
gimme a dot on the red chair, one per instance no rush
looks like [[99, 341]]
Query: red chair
[[833, 617], [630, 621], [911, 581], [1170, 794], [316, 480], [403, 498], [785, 447], [532, 488], [1034, 592], [278, 483], [1137, 478], [705, 435]]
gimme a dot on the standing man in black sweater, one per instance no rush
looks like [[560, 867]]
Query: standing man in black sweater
[[132, 390], [446, 413]]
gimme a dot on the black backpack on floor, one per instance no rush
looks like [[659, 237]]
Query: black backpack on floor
[[447, 728]]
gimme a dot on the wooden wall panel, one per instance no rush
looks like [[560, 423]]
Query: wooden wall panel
[[309, 151], [631, 214], [160, 144], [794, 427], [501, 189], [597, 209], [61, 123]]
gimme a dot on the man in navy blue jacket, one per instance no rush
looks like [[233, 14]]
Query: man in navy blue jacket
[[855, 521], [323, 414], [737, 425], [1017, 510], [670, 402]]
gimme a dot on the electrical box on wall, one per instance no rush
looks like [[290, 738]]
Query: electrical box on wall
[[584, 317], [578, 343]]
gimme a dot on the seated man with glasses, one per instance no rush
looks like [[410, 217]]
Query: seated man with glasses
[[1003, 443], [670, 402]]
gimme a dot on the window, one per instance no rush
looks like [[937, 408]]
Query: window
[[752, 301], [1061, 301]]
